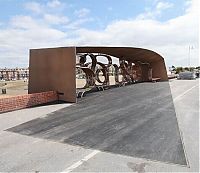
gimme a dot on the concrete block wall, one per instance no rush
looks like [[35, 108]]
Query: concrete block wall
[[28, 100]]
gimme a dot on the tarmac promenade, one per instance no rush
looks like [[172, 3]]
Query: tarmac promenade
[[143, 127]]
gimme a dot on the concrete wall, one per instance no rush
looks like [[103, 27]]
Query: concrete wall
[[53, 69]]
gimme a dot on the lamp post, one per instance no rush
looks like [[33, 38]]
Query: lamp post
[[190, 47]]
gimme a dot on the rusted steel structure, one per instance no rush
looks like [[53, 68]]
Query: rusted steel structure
[[55, 68], [130, 71]]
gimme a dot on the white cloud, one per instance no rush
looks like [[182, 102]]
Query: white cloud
[[45, 13], [77, 23], [23, 22], [157, 11], [163, 5], [42, 8], [54, 3], [82, 12], [24, 33], [34, 7], [170, 38], [54, 19]]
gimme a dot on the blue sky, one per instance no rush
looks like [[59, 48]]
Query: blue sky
[[103, 12], [161, 25]]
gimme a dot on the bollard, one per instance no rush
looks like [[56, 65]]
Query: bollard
[[3, 91]]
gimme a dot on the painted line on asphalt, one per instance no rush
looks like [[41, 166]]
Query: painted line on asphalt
[[80, 162], [179, 96]]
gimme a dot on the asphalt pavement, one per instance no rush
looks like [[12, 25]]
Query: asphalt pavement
[[132, 128], [136, 120]]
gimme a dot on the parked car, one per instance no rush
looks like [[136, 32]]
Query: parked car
[[187, 75]]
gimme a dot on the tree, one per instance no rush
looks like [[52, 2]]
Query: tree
[[186, 69], [198, 67], [179, 69], [191, 69]]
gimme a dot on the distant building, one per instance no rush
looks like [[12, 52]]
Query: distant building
[[14, 73]]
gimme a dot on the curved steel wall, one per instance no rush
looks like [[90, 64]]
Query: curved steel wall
[[55, 68], [133, 55]]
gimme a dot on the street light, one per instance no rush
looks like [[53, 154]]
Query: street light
[[190, 48]]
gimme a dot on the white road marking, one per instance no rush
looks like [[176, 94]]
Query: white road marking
[[80, 162], [179, 96]]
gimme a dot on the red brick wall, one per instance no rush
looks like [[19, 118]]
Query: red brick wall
[[28, 100]]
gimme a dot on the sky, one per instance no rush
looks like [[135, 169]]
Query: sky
[[169, 27]]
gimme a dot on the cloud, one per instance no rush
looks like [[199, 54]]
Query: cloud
[[54, 3], [170, 38], [34, 7], [54, 19], [82, 12], [23, 22], [77, 23], [163, 6], [45, 13], [42, 8], [24, 33], [157, 11]]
